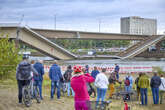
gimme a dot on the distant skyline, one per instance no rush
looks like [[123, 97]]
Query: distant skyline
[[83, 15]]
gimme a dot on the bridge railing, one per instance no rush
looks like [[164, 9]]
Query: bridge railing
[[143, 45], [136, 46]]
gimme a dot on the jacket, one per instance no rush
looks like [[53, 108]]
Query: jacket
[[162, 85], [18, 74], [68, 75], [136, 82], [117, 69], [55, 73], [94, 73], [155, 82], [40, 69], [143, 82], [112, 78], [101, 81], [79, 86]]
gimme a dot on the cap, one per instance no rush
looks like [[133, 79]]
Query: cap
[[25, 56], [77, 69]]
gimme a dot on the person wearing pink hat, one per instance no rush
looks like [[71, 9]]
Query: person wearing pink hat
[[78, 84]]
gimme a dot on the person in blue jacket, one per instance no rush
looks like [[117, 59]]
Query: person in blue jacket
[[94, 72], [117, 68], [55, 75], [38, 66]]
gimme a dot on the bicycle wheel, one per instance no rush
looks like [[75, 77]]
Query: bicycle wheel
[[36, 94], [26, 96]]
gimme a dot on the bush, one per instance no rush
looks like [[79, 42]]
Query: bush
[[158, 70], [9, 57]]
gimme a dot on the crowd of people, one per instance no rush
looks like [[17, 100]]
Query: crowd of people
[[81, 83]]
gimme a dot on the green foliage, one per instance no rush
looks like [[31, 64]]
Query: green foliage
[[158, 70], [163, 44], [89, 44], [9, 57]]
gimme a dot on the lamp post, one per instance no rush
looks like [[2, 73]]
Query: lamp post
[[55, 19], [99, 25]]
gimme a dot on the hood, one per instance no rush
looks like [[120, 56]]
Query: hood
[[24, 63], [69, 70], [54, 65], [37, 63], [77, 75]]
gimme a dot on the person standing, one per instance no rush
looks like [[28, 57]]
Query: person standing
[[78, 83], [39, 79], [137, 86], [143, 84], [162, 88], [155, 83], [23, 75], [55, 76], [86, 68], [94, 72], [67, 77], [112, 79], [101, 82], [128, 82], [117, 68]]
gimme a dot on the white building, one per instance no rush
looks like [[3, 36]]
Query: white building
[[137, 25]]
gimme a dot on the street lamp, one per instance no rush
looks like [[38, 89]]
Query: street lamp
[[55, 19]]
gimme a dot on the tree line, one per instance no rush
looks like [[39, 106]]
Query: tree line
[[90, 44]]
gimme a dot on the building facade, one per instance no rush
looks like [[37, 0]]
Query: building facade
[[137, 25]]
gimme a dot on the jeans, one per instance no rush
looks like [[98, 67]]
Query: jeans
[[21, 84], [117, 76], [143, 92], [101, 92], [155, 94], [128, 88], [54, 85], [68, 89], [39, 84]]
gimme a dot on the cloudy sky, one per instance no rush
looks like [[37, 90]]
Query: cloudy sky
[[84, 15]]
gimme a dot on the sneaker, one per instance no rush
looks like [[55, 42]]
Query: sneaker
[[19, 103], [102, 108], [97, 106]]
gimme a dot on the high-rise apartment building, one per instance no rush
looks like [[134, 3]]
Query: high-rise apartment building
[[137, 25]]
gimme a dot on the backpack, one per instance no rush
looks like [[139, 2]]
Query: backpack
[[67, 75], [24, 71], [127, 82]]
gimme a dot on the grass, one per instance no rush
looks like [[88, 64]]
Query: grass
[[115, 105]]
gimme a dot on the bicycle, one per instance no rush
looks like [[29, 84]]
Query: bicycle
[[30, 92], [98, 105]]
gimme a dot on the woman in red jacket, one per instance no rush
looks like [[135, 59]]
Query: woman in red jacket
[[78, 83]]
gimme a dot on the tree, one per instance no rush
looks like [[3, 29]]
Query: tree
[[9, 57]]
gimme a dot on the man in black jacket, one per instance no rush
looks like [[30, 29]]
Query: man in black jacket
[[155, 83], [23, 75]]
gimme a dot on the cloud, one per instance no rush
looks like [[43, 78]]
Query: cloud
[[81, 14]]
